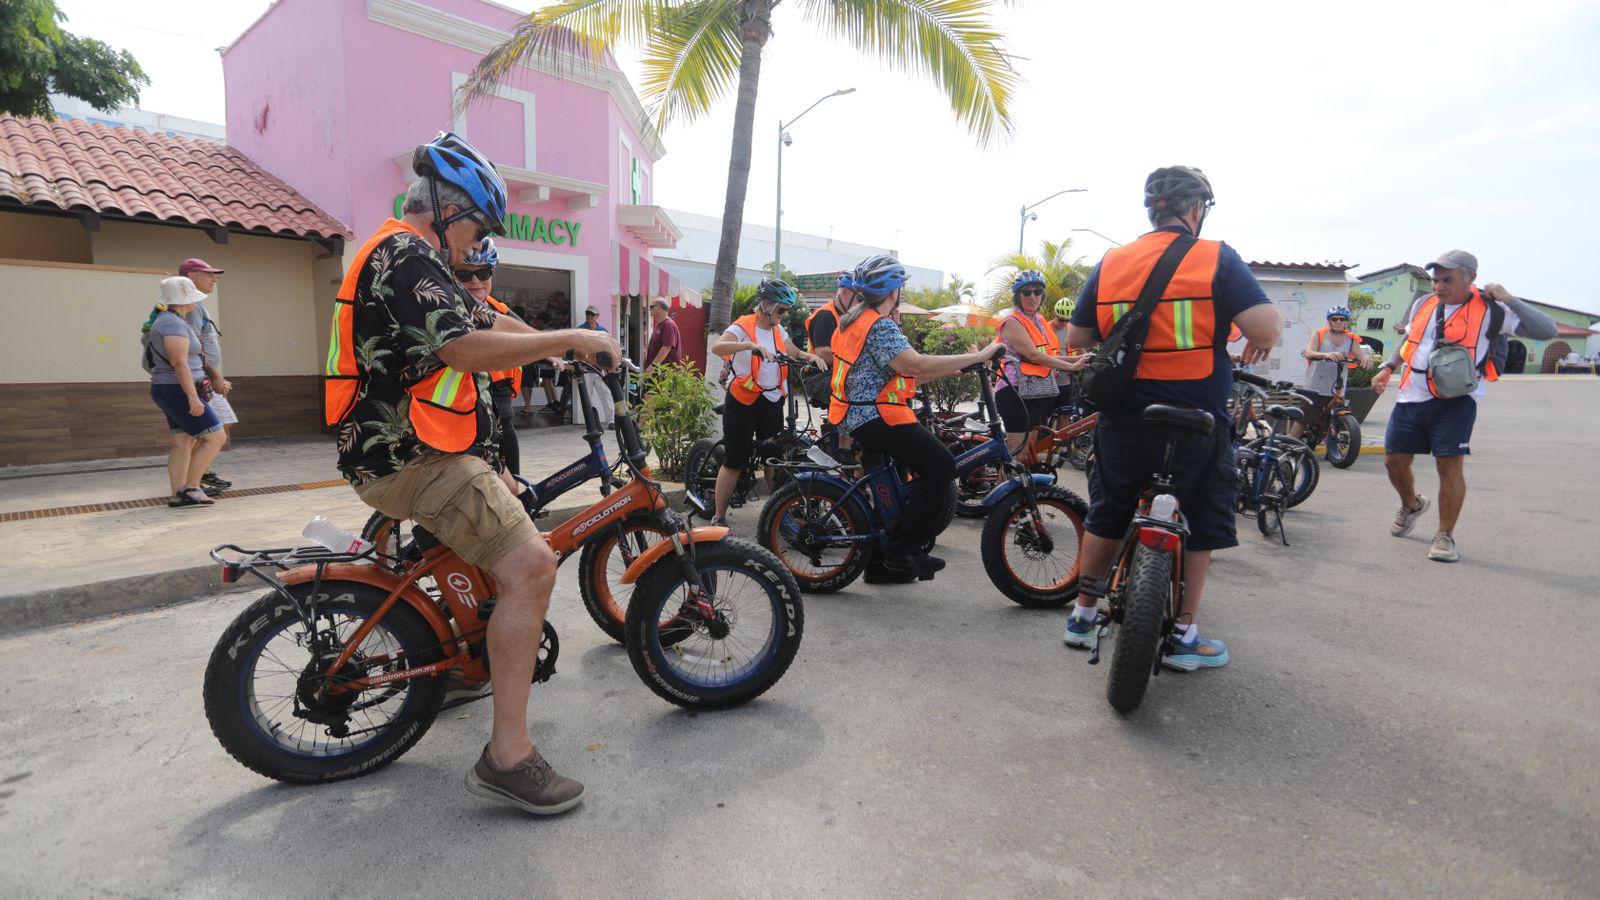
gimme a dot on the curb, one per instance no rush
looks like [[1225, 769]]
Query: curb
[[98, 599], [1371, 448]]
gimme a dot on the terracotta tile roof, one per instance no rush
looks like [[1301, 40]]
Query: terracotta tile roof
[[1299, 266], [77, 165]]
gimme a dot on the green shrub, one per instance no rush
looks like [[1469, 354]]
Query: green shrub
[[948, 393], [1361, 377], [675, 413]]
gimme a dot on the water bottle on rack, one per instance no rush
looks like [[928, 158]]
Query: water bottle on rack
[[329, 535]]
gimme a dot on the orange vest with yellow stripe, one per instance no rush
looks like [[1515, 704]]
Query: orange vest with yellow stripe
[[1044, 340], [747, 389], [444, 405], [512, 375], [1183, 329], [893, 401], [1464, 327]]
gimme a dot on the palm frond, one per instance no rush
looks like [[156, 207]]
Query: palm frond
[[587, 29], [951, 41], [691, 59]]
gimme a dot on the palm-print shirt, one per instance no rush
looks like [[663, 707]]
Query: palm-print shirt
[[407, 306], [872, 371]]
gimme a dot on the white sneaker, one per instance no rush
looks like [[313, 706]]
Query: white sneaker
[[1406, 519], [1444, 548]]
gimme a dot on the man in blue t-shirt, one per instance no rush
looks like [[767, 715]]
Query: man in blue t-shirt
[[1184, 363]]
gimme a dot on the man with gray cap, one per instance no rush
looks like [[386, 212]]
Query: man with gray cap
[[1446, 362]]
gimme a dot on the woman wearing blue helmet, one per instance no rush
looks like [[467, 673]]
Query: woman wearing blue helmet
[[753, 410], [1033, 357], [875, 372]]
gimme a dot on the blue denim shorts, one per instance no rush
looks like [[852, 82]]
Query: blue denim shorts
[[1433, 426], [175, 405]]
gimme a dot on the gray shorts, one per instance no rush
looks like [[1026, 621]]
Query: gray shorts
[[224, 410]]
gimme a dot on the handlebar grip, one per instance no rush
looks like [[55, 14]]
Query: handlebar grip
[[570, 355], [1251, 378]]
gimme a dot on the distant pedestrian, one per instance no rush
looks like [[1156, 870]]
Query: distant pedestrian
[[599, 395], [180, 389], [205, 277], [665, 341], [1447, 358]]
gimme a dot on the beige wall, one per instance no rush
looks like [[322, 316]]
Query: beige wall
[[35, 236], [265, 303], [76, 323]]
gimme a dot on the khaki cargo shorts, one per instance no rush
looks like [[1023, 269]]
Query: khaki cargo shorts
[[460, 500]]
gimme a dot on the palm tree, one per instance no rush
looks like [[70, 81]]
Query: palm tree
[[696, 50], [1064, 277]]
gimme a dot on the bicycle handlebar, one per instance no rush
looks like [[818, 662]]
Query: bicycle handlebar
[[1251, 378]]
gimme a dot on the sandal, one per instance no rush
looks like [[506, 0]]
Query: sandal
[[190, 497]]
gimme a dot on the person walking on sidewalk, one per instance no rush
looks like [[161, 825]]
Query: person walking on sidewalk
[[665, 341], [1184, 362], [205, 277], [417, 434], [1434, 413], [180, 389]]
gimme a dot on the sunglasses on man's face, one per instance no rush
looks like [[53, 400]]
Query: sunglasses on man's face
[[1338, 319], [466, 275], [1032, 292]]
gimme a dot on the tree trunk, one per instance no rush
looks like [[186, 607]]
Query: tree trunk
[[754, 30]]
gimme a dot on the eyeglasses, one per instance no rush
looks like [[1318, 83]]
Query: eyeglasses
[[1032, 292], [466, 275]]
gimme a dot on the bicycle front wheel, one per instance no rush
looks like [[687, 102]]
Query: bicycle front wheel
[[725, 646], [1137, 636], [1344, 441], [1302, 480], [1030, 550]]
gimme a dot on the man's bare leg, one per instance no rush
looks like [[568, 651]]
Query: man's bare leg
[[1095, 557], [1398, 466], [1196, 563], [523, 578], [1452, 489]]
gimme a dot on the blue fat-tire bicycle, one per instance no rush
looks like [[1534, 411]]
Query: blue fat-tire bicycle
[[823, 527], [1145, 585]]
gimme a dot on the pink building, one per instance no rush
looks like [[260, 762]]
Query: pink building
[[332, 96]]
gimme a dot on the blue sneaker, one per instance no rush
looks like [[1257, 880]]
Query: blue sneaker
[[1186, 656], [1080, 631]]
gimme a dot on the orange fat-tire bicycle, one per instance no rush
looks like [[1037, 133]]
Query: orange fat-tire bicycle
[[341, 667]]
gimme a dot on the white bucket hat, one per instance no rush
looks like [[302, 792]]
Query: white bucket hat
[[179, 291]]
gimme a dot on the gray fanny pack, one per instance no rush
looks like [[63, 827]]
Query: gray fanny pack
[[1452, 372]]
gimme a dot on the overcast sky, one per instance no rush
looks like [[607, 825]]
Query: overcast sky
[[1368, 132]]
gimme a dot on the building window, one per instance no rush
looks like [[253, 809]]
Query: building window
[[1375, 324]]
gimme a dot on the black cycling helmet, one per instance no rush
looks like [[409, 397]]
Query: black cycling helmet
[[1175, 183], [772, 290]]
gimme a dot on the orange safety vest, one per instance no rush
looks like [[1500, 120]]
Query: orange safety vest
[[1044, 340], [894, 400], [514, 375], [747, 389], [1183, 329], [1355, 344], [824, 308], [444, 405], [1464, 327]]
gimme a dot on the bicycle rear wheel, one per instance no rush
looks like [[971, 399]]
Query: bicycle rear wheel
[[1138, 634], [796, 525], [1298, 484]]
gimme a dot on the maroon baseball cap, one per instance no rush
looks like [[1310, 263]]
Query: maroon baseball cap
[[196, 264]]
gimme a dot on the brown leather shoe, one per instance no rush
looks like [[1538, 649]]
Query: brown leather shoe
[[530, 785]]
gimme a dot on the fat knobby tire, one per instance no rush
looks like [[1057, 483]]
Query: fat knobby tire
[[663, 582], [997, 531], [790, 496], [607, 611], [241, 642], [1344, 423], [1138, 636]]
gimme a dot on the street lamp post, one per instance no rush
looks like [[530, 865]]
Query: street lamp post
[[1099, 235], [1024, 224], [783, 141]]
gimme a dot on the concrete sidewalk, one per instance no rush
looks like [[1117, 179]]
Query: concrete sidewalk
[[69, 567]]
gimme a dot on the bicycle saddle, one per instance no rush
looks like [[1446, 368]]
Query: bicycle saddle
[[1292, 413], [1193, 420]]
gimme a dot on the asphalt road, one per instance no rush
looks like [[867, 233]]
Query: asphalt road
[[1389, 726]]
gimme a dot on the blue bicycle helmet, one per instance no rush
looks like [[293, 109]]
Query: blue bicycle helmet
[[483, 255], [847, 280], [454, 161], [878, 275], [1025, 278], [771, 290], [1339, 311]]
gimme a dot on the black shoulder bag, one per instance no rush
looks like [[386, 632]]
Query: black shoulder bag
[[1104, 381]]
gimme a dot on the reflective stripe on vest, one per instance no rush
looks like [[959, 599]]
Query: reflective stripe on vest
[[1183, 329], [514, 375], [748, 388], [443, 406], [893, 400], [1464, 327], [1043, 340]]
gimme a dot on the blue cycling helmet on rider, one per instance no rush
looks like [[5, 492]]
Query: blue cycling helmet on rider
[[1025, 278], [452, 160], [1339, 311], [484, 255], [878, 275], [771, 290]]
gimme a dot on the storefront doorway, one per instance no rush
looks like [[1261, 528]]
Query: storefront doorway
[[630, 327], [541, 296]]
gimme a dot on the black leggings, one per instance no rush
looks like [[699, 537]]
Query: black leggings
[[918, 450], [510, 452], [743, 426]]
